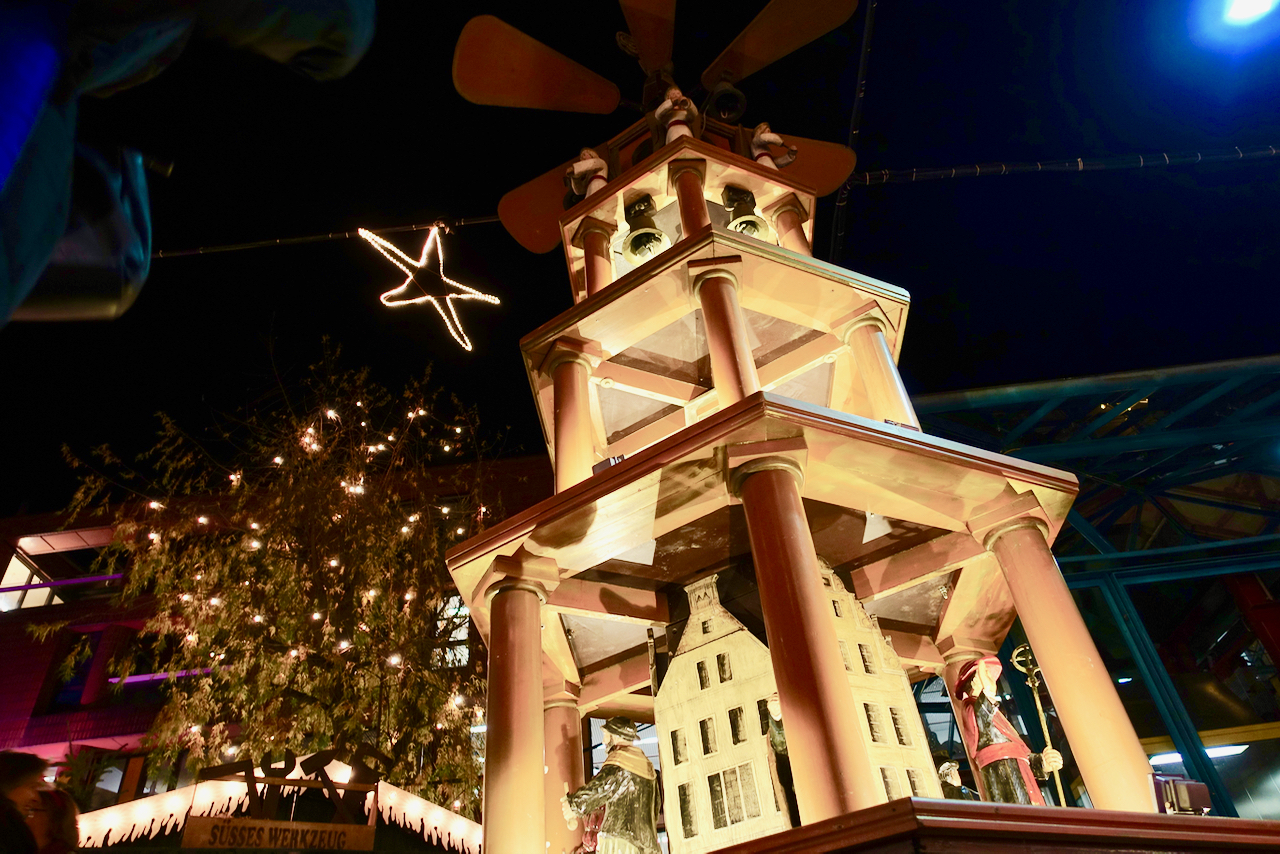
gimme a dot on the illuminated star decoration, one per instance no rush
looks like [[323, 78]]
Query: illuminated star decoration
[[396, 296]]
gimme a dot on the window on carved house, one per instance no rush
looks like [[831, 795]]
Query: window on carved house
[[679, 746], [737, 726], [707, 729]]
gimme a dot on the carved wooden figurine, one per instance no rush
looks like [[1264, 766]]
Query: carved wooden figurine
[[626, 791], [1007, 770]]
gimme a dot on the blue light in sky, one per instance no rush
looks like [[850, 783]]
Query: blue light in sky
[[1242, 12], [1234, 27]]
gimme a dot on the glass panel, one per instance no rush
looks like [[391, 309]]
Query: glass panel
[[16, 574], [1207, 633], [36, 598]]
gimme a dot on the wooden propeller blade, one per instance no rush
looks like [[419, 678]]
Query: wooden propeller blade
[[531, 212], [781, 27], [652, 24], [496, 64], [821, 165]]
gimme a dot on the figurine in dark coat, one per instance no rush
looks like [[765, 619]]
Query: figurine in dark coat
[[626, 789], [1007, 770]]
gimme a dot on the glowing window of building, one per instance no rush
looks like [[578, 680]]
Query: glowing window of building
[[454, 625], [19, 574]]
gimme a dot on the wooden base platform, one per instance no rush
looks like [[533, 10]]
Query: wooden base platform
[[919, 826]]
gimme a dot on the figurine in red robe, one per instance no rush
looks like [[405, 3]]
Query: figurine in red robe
[[1007, 770]]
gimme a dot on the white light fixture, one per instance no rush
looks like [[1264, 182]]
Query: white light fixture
[[1212, 752], [1124, 680]]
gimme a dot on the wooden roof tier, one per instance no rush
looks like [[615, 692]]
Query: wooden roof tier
[[664, 517], [643, 334]]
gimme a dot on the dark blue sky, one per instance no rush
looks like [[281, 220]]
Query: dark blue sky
[[1013, 278]]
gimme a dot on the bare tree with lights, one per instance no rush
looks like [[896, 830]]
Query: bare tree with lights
[[301, 597]]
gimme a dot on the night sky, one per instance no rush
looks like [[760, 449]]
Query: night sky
[[1012, 278]]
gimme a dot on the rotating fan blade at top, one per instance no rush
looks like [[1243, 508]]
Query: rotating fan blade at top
[[780, 28], [496, 64], [531, 212], [652, 24], [820, 165]]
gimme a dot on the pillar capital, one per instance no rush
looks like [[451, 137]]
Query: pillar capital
[[770, 463], [676, 168], [560, 703], [591, 225], [789, 202], [536, 575], [1024, 511], [570, 350], [701, 270]]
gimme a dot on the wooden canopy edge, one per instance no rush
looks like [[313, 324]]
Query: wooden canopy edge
[[979, 826]]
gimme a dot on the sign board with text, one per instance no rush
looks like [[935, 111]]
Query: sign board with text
[[213, 832]]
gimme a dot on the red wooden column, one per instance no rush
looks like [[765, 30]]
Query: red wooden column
[[834, 773], [514, 808], [686, 176], [885, 391], [1103, 741], [789, 216], [733, 368], [562, 734], [593, 238], [574, 443]]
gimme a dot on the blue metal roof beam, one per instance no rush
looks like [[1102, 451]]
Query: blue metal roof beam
[[1029, 393], [1090, 533], [1149, 441], [1032, 420]]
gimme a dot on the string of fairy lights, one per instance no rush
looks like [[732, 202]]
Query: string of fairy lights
[[310, 440]]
